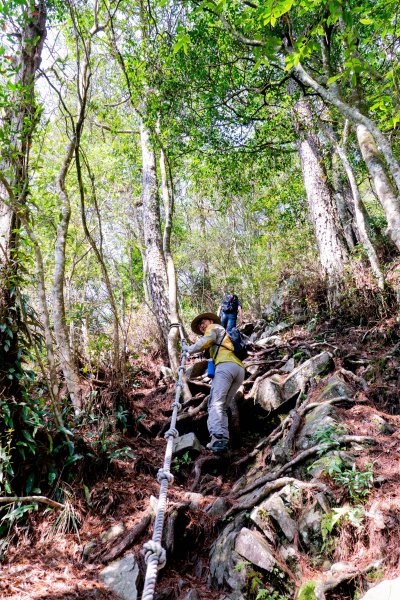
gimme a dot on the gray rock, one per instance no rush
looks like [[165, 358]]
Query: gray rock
[[289, 366], [223, 559], [274, 507], [217, 508], [320, 418], [120, 576], [192, 595], [385, 590], [334, 388], [187, 442], [88, 549], [269, 395], [310, 528], [310, 369], [272, 340], [196, 370], [166, 372], [113, 532], [233, 596], [254, 548], [260, 324], [194, 499], [254, 336], [382, 425], [273, 330]]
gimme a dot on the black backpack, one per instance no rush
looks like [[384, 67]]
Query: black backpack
[[239, 343], [230, 303]]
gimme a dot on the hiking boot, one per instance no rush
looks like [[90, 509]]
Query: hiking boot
[[218, 444]]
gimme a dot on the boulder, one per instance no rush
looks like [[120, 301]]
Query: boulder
[[260, 324], [304, 373], [310, 529], [334, 388], [196, 370], [288, 366], [192, 594], [120, 577], [320, 418], [385, 590], [255, 548], [194, 498], [272, 340], [274, 329], [269, 395], [187, 443], [113, 532], [217, 508], [274, 507], [223, 559]]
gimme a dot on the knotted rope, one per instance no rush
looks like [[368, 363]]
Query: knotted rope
[[154, 553]]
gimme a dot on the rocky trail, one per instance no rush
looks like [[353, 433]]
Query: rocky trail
[[306, 505]]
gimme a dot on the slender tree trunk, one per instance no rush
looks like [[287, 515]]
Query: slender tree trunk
[[67, 359], [100, 258], [333, 251], [382, 184], [207, 299], [392, 208], [44, 310], [173, 335], [344, 203], [168, 200], [154, 258], [359, 211]]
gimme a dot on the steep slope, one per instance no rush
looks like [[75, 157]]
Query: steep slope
[[305, 505]]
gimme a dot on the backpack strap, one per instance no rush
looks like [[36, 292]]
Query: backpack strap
[[219, 345]]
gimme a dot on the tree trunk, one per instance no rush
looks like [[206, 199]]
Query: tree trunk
[[154, 258], [359, 211], [392, 208], [382, 184], [98, 254], [333, 251], [19, 122], [168, 200]]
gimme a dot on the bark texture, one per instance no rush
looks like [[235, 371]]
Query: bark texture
[[333, 251], [383, 186], [356, 117], [156, 271], [18, 124]]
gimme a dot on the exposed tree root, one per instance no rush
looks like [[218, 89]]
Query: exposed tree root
[[198, 465], [339, 441], [42, 499], [272, 487], [332, 580], [360, 380], [278, 432], [108, 554]]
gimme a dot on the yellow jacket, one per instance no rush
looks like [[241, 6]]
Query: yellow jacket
[[212, 337]]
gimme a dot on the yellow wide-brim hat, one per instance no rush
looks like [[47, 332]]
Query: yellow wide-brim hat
[[207, 315]]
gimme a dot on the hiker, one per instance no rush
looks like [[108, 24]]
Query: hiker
[[228, 377], [229, 310]]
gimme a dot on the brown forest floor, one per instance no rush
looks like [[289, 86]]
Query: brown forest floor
[[43, 565]]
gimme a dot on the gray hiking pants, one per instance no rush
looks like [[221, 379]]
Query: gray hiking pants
[[227, 380]]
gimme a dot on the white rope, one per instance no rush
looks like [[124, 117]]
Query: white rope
[[154, 553]]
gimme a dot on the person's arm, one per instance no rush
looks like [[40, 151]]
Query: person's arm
[[204, 342], [240, 314], [219, 310]]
